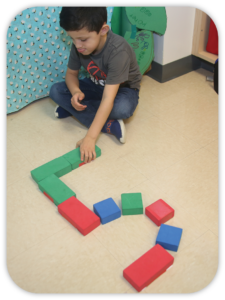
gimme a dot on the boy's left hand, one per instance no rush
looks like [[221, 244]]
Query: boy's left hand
[[87, 149]]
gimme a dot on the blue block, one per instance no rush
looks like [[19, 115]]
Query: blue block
[[169, 237], [107, 210]]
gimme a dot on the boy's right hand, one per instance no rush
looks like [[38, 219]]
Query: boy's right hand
[[76, 99]]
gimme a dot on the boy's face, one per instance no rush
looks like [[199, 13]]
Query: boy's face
[[89, 42]]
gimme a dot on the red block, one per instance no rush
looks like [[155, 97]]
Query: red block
[[81, 164], [79, 215], [148, 267], [159, 212], [49, 197]]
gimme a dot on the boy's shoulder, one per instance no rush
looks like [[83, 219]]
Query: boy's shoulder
[[117, 42]]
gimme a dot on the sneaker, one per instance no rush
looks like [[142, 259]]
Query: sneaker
[[61, 113], [117, 128], [123, 131]]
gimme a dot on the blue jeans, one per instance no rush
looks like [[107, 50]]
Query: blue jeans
[[125, 101]]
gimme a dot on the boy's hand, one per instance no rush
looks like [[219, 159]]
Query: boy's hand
[[76, 99], [87, 149]]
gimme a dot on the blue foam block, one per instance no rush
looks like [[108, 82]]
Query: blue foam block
[[169, 237], [107, 210]]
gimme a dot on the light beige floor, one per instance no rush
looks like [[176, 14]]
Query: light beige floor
[[171, 153]]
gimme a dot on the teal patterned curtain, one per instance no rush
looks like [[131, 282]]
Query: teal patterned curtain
[[37, 55]]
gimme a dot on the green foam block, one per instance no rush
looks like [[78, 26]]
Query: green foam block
[[132, 204], [73, 157], [56, 189], [58, 166]]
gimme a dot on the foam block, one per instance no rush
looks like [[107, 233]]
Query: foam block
[[169, 237], [58, 166], [80, 216], [131, 204], [56, 189], [73, 157], [107, 210], [159, 212], [82, 164], [50, 198], [148, 267]]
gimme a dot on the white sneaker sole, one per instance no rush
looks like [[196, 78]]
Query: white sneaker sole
[[123, 130], [56, 114]]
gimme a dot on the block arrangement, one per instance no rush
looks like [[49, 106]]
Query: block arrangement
[[159, 212], [169, 237], [150, 265], [47, 178], [157, 260], [61, 165], [107, 210], [131, 203]]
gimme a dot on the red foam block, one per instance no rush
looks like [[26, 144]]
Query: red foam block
[[81, 164], [159, 212], [148, 267], [49, 197], [79, 215]]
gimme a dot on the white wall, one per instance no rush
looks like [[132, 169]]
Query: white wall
[[158, 48], [176, 43]]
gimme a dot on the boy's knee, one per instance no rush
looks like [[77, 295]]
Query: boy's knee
[[127, 113], [127, 108], [57, 89], [122, 111], [125, 104], [53, 91]]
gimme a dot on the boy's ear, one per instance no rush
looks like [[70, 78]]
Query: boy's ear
[[104, 29]]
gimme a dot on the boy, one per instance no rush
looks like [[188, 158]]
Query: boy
[[111, 94]]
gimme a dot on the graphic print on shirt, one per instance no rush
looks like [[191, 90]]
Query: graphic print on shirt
[[96, 75]]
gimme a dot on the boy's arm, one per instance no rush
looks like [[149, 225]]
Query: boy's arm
[[72, 81], [87, 145]]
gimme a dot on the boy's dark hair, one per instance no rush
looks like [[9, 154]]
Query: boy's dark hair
[[76, 18]]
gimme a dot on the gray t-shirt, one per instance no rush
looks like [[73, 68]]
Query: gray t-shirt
[[115, 64]]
